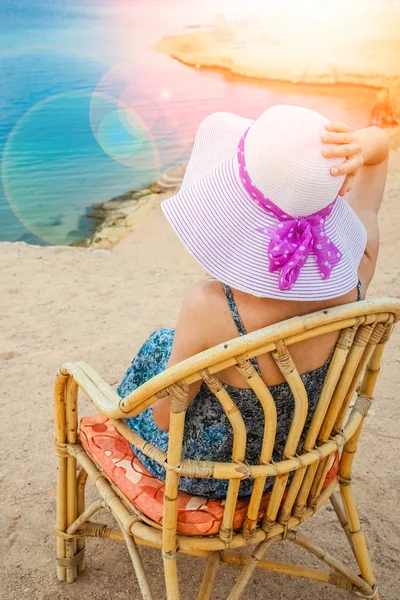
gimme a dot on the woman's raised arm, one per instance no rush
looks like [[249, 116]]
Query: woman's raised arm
[[365, 166]]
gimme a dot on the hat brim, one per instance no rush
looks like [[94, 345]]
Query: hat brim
[[218, 222]]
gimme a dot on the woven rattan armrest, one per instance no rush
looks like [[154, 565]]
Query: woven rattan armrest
[[103, 396]]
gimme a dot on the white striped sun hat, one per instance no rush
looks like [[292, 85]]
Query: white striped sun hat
[[259, 209]]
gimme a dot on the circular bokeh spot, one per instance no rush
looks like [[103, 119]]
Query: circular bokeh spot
[[134, 100], [28, 77], [53, 169], [149, 109], [121, 133]]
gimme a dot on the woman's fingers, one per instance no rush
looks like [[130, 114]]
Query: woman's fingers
[[343, 144], [339, 127], [350, 181], [343, 189], [348, 166], [343, 150], [338, 138], [347, 184]]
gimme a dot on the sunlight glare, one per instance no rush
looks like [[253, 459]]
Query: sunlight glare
[[305, 17]]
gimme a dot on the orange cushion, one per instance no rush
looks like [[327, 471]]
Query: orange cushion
[[196, 515]]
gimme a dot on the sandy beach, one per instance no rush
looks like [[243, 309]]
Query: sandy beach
[[355, 44], [64, 303]]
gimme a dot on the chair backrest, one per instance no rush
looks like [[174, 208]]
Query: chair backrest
[[363, 329]]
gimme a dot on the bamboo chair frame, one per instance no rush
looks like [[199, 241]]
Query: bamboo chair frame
[[363, 329]]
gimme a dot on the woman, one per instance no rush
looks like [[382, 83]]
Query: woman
[[282, 211]]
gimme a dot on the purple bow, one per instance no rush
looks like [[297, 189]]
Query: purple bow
[[292, 240], [291, 243]]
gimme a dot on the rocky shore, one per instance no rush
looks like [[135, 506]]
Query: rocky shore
[[269, 61], [119, 216]]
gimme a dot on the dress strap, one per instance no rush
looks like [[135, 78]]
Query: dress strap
[[359, 291], [237, 319], [234, 311]]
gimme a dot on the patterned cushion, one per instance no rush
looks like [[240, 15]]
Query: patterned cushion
[[196, 515]]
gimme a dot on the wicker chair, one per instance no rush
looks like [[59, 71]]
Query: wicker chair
[[363, 329]]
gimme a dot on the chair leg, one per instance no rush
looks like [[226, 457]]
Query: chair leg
[[251, 566], [70, 551], [66, 421], [61, 523], [171, 576], [350, 581], [62, 457], [81, 484], [341, 515], [137, 563], [359, 543], [209, 576], [71, 397]]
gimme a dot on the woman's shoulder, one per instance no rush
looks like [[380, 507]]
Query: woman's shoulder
[[205, 310], [203, 293]]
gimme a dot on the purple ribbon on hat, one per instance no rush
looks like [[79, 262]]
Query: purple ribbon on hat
[[292, 239]]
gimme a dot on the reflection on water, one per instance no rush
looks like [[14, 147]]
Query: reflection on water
[[83, 126]]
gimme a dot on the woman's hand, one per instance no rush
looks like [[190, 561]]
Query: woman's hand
[[343, 144]]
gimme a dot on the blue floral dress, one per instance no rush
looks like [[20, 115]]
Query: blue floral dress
[[208, 434]]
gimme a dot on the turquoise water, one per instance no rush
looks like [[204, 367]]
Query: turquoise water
[[89, 110]]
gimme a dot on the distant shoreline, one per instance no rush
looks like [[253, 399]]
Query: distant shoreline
[[310, 79], [119, 216], [343, 64]]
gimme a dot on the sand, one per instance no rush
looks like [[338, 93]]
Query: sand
[[62, 304]]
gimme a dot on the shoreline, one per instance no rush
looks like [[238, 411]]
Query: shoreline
[[119, 216], [312, 75], [250, 51], [241, 50]]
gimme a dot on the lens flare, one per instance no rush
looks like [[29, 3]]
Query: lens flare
[[121, 133], [53, 89], [144, 108], [288, 18], [53, 167]]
